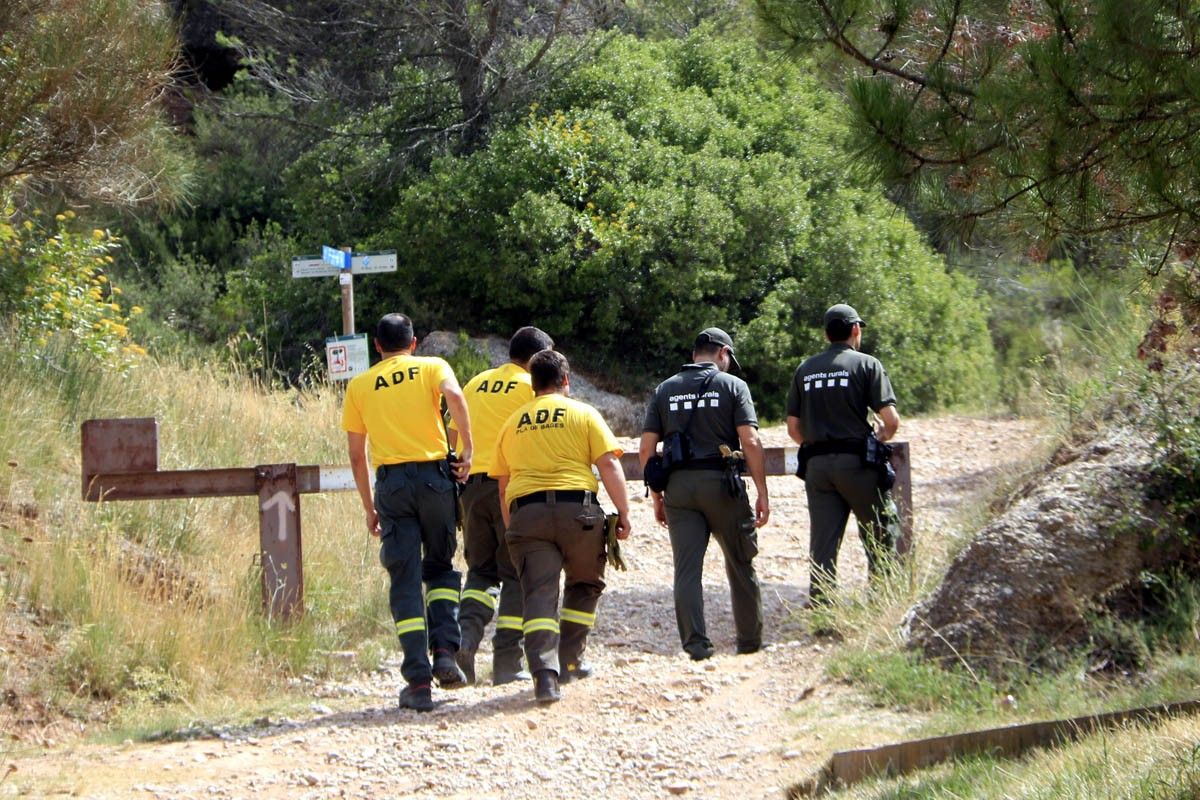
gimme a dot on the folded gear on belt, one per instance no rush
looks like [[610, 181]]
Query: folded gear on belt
[[612, 543]]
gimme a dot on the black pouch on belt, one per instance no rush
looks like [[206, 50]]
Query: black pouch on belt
[[878, 455]]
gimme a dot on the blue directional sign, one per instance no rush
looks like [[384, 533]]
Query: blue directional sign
[[335, 257], [315, 266]]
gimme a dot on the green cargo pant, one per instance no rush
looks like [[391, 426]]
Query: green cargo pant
[[545, 541], [698, 505], [836, 484], [492, 586]]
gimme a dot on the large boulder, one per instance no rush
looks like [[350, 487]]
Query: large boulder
[[1021, 590]]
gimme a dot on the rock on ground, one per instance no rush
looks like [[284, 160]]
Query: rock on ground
[[1022, 587]]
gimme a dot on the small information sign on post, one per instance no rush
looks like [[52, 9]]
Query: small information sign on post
[[347, 356]]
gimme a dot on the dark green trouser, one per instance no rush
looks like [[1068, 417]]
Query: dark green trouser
[[415, 502], [697, 505], [492, 586], [837, 484], [546, 540]]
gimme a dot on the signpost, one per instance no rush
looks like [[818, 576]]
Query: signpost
[[345, 265]]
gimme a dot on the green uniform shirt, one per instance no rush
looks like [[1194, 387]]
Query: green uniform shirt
[[832, 391], [718, 409]]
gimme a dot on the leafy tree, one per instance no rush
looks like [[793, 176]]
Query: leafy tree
[[1067, 117], [452, 64], [674, 185]]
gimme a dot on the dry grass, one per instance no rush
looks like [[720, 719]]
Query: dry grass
[[158, 603]]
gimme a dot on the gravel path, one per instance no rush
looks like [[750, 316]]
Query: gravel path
[[650, 724]]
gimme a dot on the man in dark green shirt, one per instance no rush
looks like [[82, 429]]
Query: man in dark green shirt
[[710, 408], [827, 409]]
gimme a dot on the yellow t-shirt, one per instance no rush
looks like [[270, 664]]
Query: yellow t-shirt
[[492, 396], [551, 443], [398, 405]]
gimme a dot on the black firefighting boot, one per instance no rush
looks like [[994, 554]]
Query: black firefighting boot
[[571, 644], [545, 686]]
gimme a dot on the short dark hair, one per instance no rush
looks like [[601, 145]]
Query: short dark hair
[[528, 341], [548, 369], [394, 332], [839, 330], [713, 349]]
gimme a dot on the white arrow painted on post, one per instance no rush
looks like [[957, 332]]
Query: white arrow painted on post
[[283, 501]]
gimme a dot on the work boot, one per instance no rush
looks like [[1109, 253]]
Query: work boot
[[545, 686], [448, 675], [417, 697], [507, 667], [575, 672], [472, 634], [466, 662]]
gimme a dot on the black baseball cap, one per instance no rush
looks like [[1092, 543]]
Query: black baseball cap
[[710, 336], [843, 313]]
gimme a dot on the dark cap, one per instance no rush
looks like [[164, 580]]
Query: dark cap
[[711, 336], [843, 313]]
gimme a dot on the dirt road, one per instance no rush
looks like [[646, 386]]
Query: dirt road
[[650, 724]]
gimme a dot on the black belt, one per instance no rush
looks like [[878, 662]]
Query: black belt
[[853, 447], [716, 463], [383, 469], [480, 477], [554, 496]]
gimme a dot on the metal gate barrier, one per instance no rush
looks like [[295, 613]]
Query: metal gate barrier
[[120, 462]]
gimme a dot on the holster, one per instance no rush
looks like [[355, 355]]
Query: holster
[[878, 455]]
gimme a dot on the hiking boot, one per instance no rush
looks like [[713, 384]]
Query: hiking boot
[[448, 675], [507, 667], [747, 649], [417, 697], [466, 662], [501, 677], [576, 672], [545, 686]]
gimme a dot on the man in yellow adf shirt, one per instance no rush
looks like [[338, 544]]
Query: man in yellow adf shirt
[[394, 409], [555, 525], [492, 586]]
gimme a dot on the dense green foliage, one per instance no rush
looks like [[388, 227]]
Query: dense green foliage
[[674, 185], [1057, 116]]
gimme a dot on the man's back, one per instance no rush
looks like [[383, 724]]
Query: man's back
[[709, 403], [832, 391], [492, 396], [397, 404]]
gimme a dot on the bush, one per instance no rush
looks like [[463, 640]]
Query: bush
[[54, 282], [675, 185]]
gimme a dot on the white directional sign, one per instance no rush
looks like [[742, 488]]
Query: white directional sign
[[347, 356], [316, 266]]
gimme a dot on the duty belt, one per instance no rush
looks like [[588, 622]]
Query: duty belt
[[554, 496], [854, 447], [384, 469], [479, 477], [702, 463]]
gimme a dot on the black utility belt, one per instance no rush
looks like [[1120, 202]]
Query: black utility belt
[[553, 496], [716, 463], [480, 477], [853, 447], [384, 469]]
